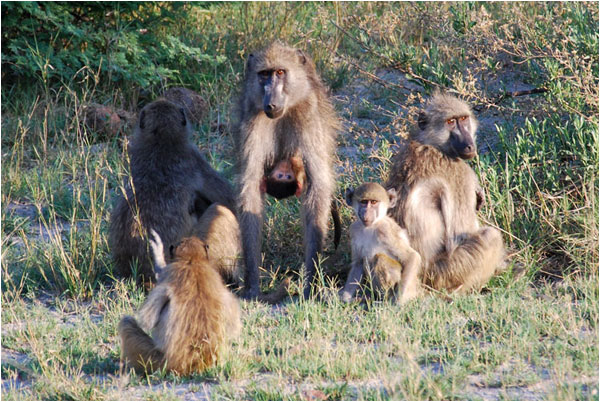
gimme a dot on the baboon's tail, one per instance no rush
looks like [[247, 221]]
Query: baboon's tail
[[137, 348], [278, 294], [337, 224]]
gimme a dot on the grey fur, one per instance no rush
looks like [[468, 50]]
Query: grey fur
[[438, 198], [308, 126], [169, 175]]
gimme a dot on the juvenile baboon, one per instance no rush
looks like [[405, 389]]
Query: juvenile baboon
[[439, 195], [284, 112], [218, 227], [170, 181], [380, 247], [191, 313]]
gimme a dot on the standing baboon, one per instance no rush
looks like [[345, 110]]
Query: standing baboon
[[191, 313], [439, 195], [285, 111], [170, 181], [380, 247]]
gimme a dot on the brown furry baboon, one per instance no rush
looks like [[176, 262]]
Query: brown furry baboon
[[286, 179], [284, 111], [439, 195], [380, 248], [218, 227], [170, 181], [191, 313], [194, 105]]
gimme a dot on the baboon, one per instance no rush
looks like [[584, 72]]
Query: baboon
[[439, 195], [284, 111], [286, 179], [218, 227], [191, 313], [194, 104], [380, 247], [170, 181]]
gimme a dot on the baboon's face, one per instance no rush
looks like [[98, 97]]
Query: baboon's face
[[273, 81], [449, 125], [277, 78], [370, 202], [461, 136]]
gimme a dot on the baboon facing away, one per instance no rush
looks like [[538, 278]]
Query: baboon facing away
[[170, 181], [380, 247], [284, 111], [439, 195], [191, 313], [218, 227]]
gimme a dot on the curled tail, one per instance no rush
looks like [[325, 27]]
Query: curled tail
[[137, 349]]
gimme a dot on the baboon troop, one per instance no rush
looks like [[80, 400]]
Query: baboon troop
[[190, 312], [182, 226], [438, 198], [170, 180], [380, 248], [284, 111]]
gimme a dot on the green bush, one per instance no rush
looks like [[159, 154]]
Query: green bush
[[128, 44]]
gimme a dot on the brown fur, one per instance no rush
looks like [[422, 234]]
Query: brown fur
[[191, 313], [170, 181], [218, 227], [438, 198], [305, 125], [380, 248], [194, 105]]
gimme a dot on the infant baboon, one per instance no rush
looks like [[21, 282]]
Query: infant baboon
[[286, 179], [284, 112], [380, 247], [438, 198], [191, 313], [170, 181]]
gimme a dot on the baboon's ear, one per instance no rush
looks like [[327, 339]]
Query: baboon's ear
[[349, 195], [422, 120], [206, 250], [183, 118], [250, 62], [393, 197], [142, 119], [172, 251], [301, 56]]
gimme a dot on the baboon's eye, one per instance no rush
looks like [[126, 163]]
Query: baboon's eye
[[280, 72], [450, 122], [463, 118]]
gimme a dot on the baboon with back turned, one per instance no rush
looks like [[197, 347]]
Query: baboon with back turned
[[284, 111], [439, 196], [170, 181], [191, 313]]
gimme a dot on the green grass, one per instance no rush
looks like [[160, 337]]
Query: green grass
[[531, 334]]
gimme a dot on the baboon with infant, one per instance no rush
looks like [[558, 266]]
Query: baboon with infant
[[284, 112], [171, 185], [438, 199], [190, 312], [380, 248]]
